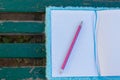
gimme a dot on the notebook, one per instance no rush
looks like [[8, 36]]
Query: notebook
[[96, 51]]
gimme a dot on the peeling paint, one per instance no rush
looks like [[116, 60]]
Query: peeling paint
[[31, 70], [3, 79]]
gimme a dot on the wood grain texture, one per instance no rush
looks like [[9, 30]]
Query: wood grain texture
[[22, 38], [19, 62], [22, 16], [23, 50]]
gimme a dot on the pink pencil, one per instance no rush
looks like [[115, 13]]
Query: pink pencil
[[71, 47]]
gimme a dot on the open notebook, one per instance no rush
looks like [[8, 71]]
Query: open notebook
[[97, 49]]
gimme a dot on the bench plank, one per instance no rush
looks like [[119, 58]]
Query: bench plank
[[21, 27], [21, 73], [39, 5], [22, 50]]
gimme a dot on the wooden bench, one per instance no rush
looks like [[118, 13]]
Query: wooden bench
[[34, 50]]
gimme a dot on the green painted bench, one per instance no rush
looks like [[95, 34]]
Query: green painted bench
[[27, 50]]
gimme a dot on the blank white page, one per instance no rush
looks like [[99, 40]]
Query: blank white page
[[63, 27], [108, 42]]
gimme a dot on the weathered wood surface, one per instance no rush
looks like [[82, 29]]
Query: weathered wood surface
[[33, 50], [39, 5], [22, 73]]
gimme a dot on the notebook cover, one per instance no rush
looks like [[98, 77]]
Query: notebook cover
[[48, 45]]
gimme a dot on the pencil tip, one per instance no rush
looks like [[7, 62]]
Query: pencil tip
[[61, 71]]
